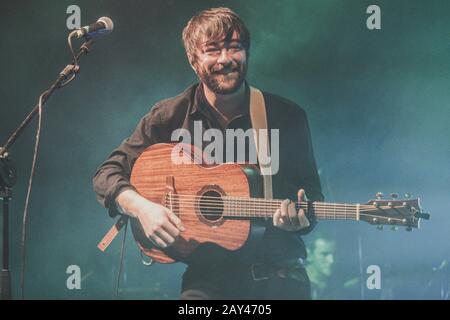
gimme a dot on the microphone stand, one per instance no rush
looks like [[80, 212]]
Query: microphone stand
[[8, 171]]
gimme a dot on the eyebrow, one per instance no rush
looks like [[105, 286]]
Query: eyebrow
[[215, 42]]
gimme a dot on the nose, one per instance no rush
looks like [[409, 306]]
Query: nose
[[224, 57]]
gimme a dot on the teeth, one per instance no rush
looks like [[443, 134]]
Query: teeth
[[227, 72]]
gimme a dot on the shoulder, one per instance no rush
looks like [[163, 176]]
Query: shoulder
[[173, 108]]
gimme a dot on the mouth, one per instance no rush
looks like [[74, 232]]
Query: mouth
[[226, 72]]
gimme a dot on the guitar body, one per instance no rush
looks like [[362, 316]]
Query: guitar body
[[158, 178]]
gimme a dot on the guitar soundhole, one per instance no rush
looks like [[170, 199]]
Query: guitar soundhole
[[211, 205]]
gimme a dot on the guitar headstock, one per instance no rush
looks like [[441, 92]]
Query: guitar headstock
[[393, 212]]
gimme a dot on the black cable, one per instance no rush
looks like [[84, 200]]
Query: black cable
[[73, 71], [122, 253], [75, 60], [69, 41], [27, 199]]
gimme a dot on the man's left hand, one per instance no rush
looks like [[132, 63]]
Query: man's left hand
[[287, 217]]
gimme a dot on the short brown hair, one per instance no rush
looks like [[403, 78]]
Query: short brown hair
[[214, 23]]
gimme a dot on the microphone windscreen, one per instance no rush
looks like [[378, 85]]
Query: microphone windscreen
[[109, 25]]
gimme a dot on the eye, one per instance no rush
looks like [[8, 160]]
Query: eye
[[212, 50], [235, 47]]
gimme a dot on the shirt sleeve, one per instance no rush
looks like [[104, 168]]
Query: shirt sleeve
[[113, 176]]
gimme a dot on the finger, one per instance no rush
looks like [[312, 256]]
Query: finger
[[165, 237], [284, 211], [171, 229], [157, 241], [277, 218], [176, 221], [304, 222], [301, 195], [293, 215]]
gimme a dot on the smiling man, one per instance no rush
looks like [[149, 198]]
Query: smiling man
[[217, 44]]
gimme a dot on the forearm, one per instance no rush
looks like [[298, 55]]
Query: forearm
[[129, 202], [109, 181]]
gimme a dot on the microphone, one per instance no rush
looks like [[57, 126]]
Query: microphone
[[104, 25]]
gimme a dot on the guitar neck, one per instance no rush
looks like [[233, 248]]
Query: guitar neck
[[241, 207], [263, 208]]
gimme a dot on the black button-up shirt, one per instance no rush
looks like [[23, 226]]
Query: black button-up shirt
[[297, 167]]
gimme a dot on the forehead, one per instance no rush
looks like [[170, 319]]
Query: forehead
[[205, 40], [324, 246]]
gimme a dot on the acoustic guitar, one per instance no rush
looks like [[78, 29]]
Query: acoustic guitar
[[218, 204]]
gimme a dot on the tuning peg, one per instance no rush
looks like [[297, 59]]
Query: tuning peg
[[394, 195], [422, 215], [379, 195], [394, 228], [408, 195], [380, 227]]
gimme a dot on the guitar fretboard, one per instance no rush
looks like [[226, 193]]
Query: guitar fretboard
[[256, 207], [228, 206]]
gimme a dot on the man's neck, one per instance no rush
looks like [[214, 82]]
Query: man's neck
[[228, 104]]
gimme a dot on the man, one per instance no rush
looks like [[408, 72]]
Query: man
[[320, 264], [217, 45]]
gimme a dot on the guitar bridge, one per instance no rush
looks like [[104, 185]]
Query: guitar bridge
[[170, 200]]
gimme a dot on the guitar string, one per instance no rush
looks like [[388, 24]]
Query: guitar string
[[266, 203], [221, 207], [251, 206], [320, 213], [248, 199], [322, 210], [271, 203]]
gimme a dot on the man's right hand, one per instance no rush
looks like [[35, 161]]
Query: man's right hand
[[159, 224]]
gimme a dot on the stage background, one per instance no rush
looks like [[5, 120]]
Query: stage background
[[377, 102]]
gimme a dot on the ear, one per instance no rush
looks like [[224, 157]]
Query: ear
[[192, 61]]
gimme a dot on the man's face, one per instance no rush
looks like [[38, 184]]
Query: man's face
[[221, 65], [323, 256]]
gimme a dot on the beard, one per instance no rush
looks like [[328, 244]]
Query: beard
[[223, 80]]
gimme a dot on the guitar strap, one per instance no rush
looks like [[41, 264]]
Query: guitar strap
[[258, 117], [112, 233]]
